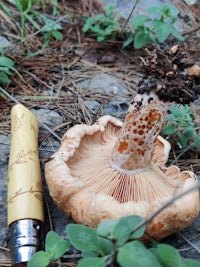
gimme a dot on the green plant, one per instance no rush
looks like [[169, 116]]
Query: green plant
[[154, 29], [103, 26], [6, 67], [40, 22], [114, 243], [180, 127], [55, 247]]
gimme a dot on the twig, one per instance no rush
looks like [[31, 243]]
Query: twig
[[127, 20], [188, 241]]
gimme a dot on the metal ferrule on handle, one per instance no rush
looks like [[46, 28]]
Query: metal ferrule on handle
[[25, 240]]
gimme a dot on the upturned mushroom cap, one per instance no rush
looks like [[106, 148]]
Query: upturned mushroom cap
[[96, 175]]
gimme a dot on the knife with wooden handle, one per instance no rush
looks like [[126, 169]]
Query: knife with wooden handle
[[25, 196]]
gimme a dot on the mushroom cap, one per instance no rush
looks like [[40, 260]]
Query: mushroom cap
[[83, 183]]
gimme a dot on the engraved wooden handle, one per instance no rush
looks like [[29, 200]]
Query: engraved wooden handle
[[25, 198]]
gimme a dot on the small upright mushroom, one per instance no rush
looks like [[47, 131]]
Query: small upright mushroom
[[112, 169]]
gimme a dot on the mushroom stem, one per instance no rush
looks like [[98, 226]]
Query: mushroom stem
[[134, 148]]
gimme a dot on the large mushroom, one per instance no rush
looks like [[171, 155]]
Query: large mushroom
[[112, 169]]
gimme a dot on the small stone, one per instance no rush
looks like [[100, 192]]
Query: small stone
[[105, 84], [5, 147], [4, 42], [47, 116]]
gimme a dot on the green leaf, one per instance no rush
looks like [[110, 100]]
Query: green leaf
[[162, 30], [128, 41], [55, 246], [57, 35], [100, 38], [121, 232], [176, 34], [39, 259], [89, 254], [106, 246], [106, 227], [133, 221], [190, 263], [4, 78], [60, 248], [136, 254], [169, 129], [91, 262], [139, 20], [82, 237], [169, 256], [2, 51], [19, 6], [175, 110], [52, 238], [109, 9], [6, 9], [5, 70], [141, 39], [32, 21], [196, 142], [6, 62], [170, 11], [155, 10]]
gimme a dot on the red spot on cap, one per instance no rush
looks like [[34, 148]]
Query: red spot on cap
[[122, 147]]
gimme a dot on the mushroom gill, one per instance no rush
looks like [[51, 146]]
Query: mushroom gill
[[117, 161]]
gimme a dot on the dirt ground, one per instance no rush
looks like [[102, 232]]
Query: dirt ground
[[51, 80]]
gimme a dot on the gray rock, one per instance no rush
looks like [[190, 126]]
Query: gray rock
[[5, 147], [92, 104], [3, 203], [105, 84], [4, 42], [48, 116]]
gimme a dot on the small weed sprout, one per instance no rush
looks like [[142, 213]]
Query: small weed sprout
[[48, 27], [103, 26], [181, 128]]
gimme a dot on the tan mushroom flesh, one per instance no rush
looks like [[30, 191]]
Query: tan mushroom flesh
[[112, 169]]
